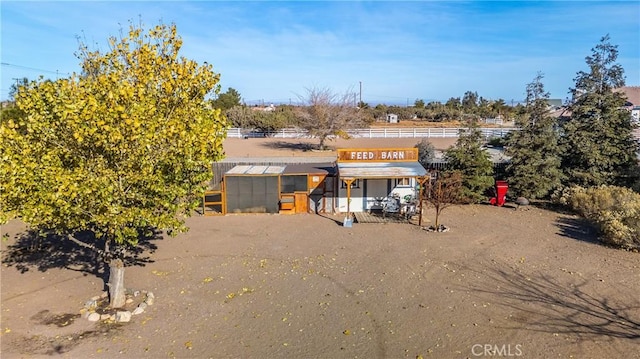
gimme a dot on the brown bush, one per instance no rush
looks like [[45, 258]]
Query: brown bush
[[614, 210]]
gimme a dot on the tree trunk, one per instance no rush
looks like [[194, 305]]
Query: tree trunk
[[322, 139], [117, 295]]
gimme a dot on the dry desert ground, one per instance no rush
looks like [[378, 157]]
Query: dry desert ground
[[502, 283]]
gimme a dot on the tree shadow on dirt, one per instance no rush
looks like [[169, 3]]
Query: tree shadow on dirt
[[334, 220], [577, 228], [544, 304], [295, 146], [42, 345], [42, 252]]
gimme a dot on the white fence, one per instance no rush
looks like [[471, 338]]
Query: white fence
[[397, 132]]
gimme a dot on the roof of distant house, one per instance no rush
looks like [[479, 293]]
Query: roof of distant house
[[554, 102], [632, 93]]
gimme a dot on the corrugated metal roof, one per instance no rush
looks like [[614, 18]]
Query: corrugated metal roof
[[280, 159], [312, 168], [380, 169], [255, 170]]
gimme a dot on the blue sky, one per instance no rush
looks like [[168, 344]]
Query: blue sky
[[271, 51]]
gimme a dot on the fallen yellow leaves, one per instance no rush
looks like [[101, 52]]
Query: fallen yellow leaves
[[244, 290]]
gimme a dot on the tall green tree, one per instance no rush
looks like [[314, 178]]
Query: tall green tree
[[499, 108], [327, 115], [470, 101], [598, 141], [473, 162], [227, 100], [121, 148], [378, 113], [454, 103], [534, 168]]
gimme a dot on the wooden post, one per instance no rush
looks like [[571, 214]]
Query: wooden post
[[422, 180], [349, 181]]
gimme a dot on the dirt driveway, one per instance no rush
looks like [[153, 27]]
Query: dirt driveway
[[501, 283]]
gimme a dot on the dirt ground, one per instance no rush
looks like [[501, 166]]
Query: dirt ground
[[502, 283], [278, 147]]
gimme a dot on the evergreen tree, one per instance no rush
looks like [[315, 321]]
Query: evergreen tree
[[227, 100], [473, 162], [470, 101], [598, 142], [534, 169]]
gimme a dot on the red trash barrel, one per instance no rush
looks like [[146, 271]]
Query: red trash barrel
[[501, 193]]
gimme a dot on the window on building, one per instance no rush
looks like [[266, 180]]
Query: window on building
[[403, 182], [290, 184]]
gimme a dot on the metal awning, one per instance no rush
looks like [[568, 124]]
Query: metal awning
[[255, 170], [380, 169]]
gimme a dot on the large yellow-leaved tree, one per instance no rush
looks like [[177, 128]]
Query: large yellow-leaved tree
[[123, 147]]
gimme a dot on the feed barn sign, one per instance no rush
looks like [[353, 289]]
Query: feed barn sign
[[377, 154]]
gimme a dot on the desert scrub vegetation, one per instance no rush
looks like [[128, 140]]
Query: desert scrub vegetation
[[615, 211]]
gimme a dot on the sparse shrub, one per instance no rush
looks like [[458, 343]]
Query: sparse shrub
[[426, 152], [444, 192], [614, 210]]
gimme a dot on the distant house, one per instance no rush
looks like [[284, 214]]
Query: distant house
[[269, 108], [635, 115], [633, 95], [392, 118], [554, 103]]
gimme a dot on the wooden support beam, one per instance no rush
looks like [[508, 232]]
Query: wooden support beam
[[348, 181], [422, 180]]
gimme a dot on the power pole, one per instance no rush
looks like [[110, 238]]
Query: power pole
[[360, 92]]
